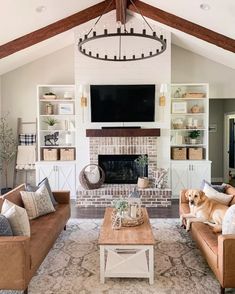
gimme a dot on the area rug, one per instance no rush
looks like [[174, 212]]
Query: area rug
[[72, 266]]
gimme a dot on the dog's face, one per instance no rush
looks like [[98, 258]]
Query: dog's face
[[195, 197]]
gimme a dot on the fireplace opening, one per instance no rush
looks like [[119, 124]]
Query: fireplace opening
[[121, 169]]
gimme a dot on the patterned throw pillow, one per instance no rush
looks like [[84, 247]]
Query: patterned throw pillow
[[42, 183], [228, 225], [37, 203], [17, 217], [5, 227]]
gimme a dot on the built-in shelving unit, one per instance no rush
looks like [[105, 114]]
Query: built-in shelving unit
[[57, 143], [189, 157]]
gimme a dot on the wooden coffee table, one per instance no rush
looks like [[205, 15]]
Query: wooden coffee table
[[128, 252]]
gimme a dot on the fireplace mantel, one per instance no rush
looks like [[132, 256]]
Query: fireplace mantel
[[123, 132]]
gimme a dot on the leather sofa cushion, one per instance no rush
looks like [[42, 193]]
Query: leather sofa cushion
[[13, 196], [44, 231], [207, 241], [184, 208]]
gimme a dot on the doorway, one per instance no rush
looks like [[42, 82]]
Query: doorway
[[229, 147]]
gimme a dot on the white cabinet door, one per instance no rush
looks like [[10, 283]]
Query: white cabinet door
[[49, 171], [61, 176], [67, 178], [179, 178], [199, 172]]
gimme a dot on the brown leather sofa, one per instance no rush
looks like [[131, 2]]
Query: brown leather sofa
[[218, 249], [20, 256]]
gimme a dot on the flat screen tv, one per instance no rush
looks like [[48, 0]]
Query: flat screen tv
[[122, 103]]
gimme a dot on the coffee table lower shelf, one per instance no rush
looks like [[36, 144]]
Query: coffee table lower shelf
[[126, 261]]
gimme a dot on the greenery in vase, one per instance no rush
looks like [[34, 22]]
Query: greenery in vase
[[142, 162], [7, 147], [51, 121], [121, 205], [194, 134]]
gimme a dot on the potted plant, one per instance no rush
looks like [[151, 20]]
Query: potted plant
[[51, 122], [193, 135], [142, 162], [7, 150]]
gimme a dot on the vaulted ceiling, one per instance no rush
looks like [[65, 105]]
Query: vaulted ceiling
[[18, 18]]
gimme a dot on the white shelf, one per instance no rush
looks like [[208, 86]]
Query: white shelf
[[182, 98], [62, 115], [188, 145], [186, 114], [57, 100], [46, 131], [187, 130], [60, 146]]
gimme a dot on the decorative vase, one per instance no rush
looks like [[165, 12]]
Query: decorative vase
[[143, 182], [193, 141], [50, 128]]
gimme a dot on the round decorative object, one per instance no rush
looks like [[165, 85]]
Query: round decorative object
[[86, 184], [128, 221], [195, 109]]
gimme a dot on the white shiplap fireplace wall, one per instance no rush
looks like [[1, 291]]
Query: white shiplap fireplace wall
[[150, 71]]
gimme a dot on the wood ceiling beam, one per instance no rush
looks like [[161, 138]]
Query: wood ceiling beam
[[56, 28], [121, 6], [183, 25]]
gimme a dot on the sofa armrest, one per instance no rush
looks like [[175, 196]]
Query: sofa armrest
[[62, 197], [15, 262], [183, 197], [226, 260]]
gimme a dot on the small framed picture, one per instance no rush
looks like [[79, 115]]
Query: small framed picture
[[179, 107], [65, 108]]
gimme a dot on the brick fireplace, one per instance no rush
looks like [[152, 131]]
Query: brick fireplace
[[134, 142]]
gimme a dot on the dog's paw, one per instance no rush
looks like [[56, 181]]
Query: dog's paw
[[188, 225]]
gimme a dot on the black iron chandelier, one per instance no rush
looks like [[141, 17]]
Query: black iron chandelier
[[121, 33]]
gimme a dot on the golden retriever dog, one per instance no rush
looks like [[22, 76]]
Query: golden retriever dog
[[203, 209]]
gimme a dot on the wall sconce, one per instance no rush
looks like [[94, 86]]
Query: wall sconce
[[83, 99], [162, 98]]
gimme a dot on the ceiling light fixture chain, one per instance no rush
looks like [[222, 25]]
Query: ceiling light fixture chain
[[121, 31]]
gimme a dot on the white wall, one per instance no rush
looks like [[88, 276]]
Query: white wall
[[18, 87], [150, 71], [188, 67]]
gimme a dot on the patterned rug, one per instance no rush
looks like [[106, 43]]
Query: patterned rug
[[72, 266]]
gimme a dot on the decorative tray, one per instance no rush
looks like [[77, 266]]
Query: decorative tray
[[127, 221]]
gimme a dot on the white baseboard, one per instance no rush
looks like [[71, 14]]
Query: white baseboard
[[217, 180]]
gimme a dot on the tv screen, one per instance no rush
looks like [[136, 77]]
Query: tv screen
[[122, 103]]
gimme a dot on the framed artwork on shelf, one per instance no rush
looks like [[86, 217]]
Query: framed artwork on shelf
[[65, 108], [179, 107]]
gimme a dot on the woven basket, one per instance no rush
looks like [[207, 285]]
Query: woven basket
[[129, 222], [85, 182]]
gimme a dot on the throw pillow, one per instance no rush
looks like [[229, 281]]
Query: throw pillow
[[17, 217], [5, 227], [215, 195], [93, 175], [228, 224], [37, 203], [220, 188], [45, 182]]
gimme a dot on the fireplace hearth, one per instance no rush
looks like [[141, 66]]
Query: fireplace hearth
[[121, 169]]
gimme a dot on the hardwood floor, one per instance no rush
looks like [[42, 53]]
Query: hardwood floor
[[92, 212]]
